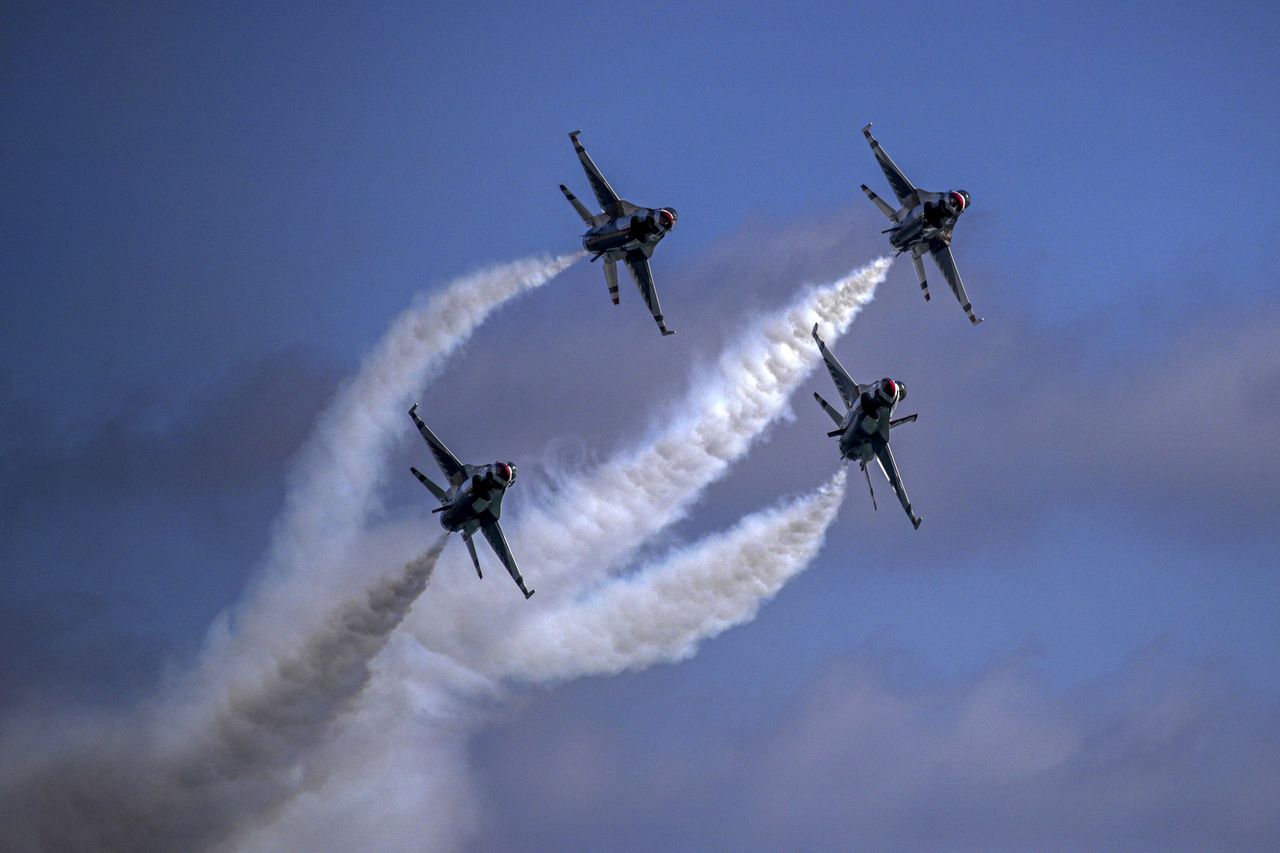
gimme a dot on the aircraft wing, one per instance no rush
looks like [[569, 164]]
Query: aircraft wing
[[947, 264], [493, 532], [449, 464], [902, 188], [848, 389], [638, 264], [609, 200], [884, 455]]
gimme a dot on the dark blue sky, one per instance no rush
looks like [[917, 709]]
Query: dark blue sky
[[213, 212]]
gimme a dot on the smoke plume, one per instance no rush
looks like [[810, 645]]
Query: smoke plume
[[593, 522], [663, 611], [334, 485], [249, 754], [149, 788], [443, 680]]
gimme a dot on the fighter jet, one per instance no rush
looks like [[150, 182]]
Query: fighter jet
[[864, 428], [473, 500], [922, 224], [623, 232]]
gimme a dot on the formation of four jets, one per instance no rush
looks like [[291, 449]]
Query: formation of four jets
[[622, 231]]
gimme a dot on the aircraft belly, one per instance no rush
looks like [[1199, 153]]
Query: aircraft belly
[[454, 518], [610, 242], [857, 450], [910, 233]]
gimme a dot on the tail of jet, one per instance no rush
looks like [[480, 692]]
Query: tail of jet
[[831, 412], [431, 487], [880, 203], [586, 215], [611, 279]]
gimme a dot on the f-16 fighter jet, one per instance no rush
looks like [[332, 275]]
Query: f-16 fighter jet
[[864, 428], [623, 232], [922, 225], [473, 500]]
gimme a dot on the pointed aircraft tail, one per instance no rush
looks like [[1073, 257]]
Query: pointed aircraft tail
[[611, 279], [471, 549], [884, 208], [586, 215], [863, 466], [917, 261], [431, 487], [831, 412]]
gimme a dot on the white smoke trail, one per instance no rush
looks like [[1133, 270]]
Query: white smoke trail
[[591, 527], [399, 772], [609, 512], [143, 788], [593, 523], [334, 485], [664, 611], [597, 520]]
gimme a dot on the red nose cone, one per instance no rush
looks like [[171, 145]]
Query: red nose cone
[[890, 388], [667, 219], [958, 199], [505, 470]]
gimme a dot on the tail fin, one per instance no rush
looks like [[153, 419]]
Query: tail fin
[[829, 409], [432, 487], [471, 549], [880, 203], [611, 279], [918, 262], [577, 205], [869, 489]]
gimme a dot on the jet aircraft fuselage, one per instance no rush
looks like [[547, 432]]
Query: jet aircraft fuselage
[[621, 231], [477, 500], [641, 231], [863, 429], [473, 501], [930, 225], [922, 224], [867, 423]]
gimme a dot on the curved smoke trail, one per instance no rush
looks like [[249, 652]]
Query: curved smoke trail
[[399, 771], [400, 764], [461, 646], [598, 519], [160, 790], [334, 485], [661, 613]]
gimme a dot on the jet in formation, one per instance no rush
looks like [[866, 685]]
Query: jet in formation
[[473, 500], [922, 225], [864, 428], [622, 232]]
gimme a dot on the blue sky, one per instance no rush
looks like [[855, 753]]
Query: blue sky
[[215, 212]]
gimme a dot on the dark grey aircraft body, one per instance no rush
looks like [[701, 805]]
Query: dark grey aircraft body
[[622, 232], [864, 428], [922, 225], [473, 500]]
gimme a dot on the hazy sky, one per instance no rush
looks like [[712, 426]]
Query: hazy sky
[[213, 213]]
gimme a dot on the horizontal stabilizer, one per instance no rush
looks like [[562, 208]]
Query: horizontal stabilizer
[[880, 203], [578, 206], [918, 262], [471, 549], [835, 433], [432, 487], [611, 279], [869, 489], [831, 412], [909, 419]]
